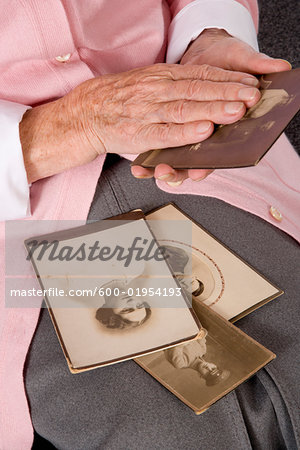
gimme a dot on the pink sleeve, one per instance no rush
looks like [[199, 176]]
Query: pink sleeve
[[177, 5]]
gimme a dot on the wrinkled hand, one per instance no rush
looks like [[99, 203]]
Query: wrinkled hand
[[158, 106], [217, 48]]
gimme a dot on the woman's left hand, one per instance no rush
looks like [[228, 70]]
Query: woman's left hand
[[216, 48]]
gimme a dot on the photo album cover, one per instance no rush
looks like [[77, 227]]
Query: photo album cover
[[242, 143], [103, 287]]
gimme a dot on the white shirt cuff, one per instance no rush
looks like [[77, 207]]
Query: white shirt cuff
[[228, 15], [14, 189]]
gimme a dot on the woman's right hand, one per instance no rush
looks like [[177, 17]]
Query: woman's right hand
[[158, 106]]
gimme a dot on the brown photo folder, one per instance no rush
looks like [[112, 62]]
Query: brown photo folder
[[243, 143]]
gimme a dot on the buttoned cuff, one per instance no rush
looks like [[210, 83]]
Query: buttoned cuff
[[14, 189], [199, 15]]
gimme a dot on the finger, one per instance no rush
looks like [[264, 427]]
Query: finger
[[207, 91], [173, 135], [260, 63], [164, 172], [199, 174], [141, 172], [181, 111], [248, 60], [172, 177], [202, 72]]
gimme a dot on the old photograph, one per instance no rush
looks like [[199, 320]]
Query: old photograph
[[109, 309], [202, 371], [208, 270]]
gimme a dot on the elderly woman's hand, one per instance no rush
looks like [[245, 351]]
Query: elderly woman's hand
[[220, 49], [217, 48], [153, 107]]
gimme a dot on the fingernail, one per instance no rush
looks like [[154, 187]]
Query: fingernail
[[287, 62], [247, 94], [174, 183], [203, 127], [142, 176], [199, 179], [233, 107], [250, 81], [167, 176]]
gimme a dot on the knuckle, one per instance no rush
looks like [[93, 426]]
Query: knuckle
[[164, 133], [206, 71], [168, 70], [166, 74], [155, 68], [171, 135], [192, 88], [177, 111], [160, 71], [140, 88]]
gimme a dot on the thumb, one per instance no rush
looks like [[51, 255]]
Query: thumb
[[259, 63]]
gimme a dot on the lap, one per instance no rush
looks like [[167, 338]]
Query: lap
[[121, 406]]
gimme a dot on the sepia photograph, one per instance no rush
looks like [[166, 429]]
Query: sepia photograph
[[208, 270], [197, 273], [109, 309], [202, 371]]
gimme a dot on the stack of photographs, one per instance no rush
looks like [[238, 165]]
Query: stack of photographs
[[160, 290]]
